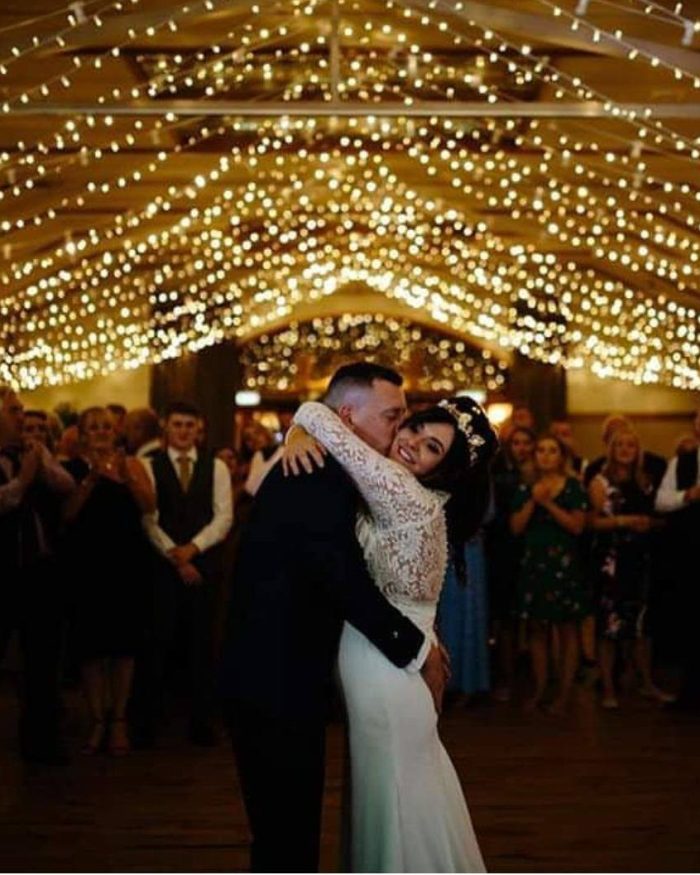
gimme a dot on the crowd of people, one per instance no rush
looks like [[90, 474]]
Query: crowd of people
[[582, 564], [119, 535]]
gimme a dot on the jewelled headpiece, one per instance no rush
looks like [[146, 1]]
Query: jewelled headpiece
[[465, 425]]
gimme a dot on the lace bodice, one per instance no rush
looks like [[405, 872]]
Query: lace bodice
[[404, 537]]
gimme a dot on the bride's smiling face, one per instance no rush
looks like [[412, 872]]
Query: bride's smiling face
[[422, 447]]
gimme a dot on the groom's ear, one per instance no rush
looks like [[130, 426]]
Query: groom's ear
[[345, 414]]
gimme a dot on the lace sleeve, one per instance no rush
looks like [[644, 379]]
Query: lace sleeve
[[393, 494]]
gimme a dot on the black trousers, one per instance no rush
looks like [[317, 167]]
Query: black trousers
[[180, 629], [31, 604], [281, 765]]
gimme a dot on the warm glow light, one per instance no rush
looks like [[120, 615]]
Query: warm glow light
[[499, 413], [247, 398], [578, 245]]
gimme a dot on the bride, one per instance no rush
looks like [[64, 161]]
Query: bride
[[423, 502]]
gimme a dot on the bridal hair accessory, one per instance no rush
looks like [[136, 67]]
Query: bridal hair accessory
[[464, 424]]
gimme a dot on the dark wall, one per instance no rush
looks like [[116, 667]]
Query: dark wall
[[210, 379], [540, 387]]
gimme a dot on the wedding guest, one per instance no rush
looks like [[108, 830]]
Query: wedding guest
[[685, 443], [105, 552], [654, 466], [521, 417], [191, 520], [255, 437], [503, 553], [202, 432], [143, 438], [561, 429], [231, 459], [36, 427], [55, 428], [696, 425], [30, 600], [267, 454], [463, 623], [48, 504], [117, 413], [68, 448], [679, 498], [142, 432], [622, 503], [550, 516]]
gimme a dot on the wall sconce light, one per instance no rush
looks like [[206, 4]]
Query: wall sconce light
[[247, 398]]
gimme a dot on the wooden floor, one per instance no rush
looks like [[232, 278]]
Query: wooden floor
[[597, 791]]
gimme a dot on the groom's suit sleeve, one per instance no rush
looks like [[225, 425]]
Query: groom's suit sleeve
[[327, 502]]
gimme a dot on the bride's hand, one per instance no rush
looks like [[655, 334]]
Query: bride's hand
[[301, 451], [435, 675]]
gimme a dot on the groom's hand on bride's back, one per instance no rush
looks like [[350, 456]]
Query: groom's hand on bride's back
[[435, 673]]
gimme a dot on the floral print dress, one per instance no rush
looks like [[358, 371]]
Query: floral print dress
[[552, 584], [622, 558]]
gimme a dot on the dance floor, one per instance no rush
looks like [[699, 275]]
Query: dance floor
[[597, 791]]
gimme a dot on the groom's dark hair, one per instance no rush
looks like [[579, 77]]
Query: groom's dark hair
[[358, 375]]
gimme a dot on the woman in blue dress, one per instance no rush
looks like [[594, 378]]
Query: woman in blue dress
[[463, 618]]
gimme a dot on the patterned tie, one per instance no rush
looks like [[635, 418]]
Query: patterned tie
[[185, 467]]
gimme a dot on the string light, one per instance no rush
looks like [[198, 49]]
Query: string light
[[299, 210], [280, 363]]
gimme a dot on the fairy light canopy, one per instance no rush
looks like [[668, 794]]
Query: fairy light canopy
[[521, 172], [302, 357]]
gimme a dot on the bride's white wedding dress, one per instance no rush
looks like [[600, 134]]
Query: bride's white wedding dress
[[408, 809]]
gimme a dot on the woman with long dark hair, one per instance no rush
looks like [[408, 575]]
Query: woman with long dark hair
[[423, 502]]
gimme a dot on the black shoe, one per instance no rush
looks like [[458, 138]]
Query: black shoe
[[203, 735]]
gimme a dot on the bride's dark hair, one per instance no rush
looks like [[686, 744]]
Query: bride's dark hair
[[464, 471]]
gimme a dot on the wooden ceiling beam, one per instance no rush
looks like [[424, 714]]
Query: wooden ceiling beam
[[361, 109], [547, 29]]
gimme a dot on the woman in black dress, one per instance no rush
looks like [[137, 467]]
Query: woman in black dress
[[107, 554], [622, 503]]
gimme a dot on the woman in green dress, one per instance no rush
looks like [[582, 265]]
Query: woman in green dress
[[550, 516]]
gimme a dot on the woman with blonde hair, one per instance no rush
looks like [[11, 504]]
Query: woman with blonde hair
[[106, 552], [622, 502], [550, 517]]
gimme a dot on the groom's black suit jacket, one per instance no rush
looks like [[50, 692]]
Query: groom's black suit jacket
[[300, 572]]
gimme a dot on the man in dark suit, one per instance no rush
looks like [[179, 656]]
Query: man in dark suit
[[300, 573], [679, 498], [193, 517]]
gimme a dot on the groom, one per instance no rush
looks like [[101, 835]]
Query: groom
[[300, 573]]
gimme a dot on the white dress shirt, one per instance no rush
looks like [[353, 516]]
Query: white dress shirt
[[260, 467], [669, 498], [151, 446], [216, 530]]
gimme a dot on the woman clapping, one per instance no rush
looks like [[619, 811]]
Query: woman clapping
[[550, 515], [107, 558]]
